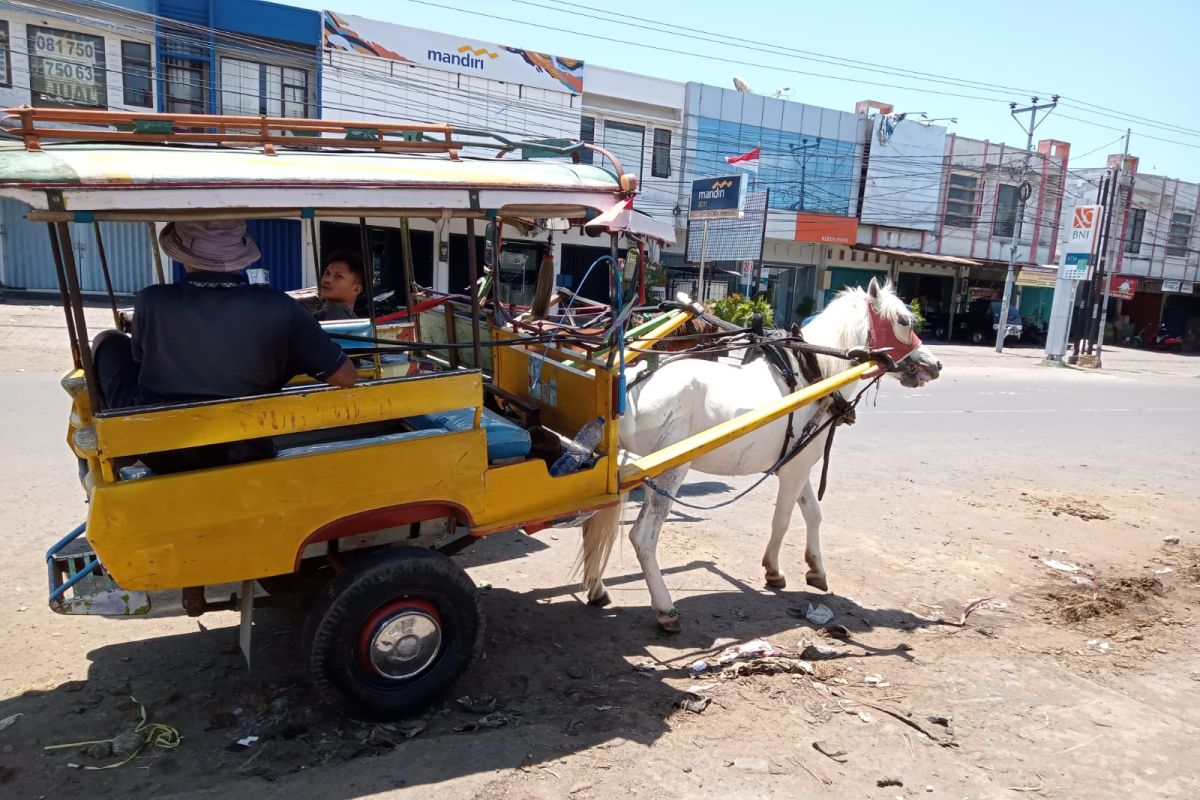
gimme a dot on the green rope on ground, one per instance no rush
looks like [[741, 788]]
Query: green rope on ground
[[150, 734]]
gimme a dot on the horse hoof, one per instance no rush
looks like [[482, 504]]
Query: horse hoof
[[817, 582], [599, 602], [777, 582], [669, 622]]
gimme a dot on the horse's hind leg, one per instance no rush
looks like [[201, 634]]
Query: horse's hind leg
[[644, 536], [811, 509], [790, 483]]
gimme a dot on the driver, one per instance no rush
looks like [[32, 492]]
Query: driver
[[213, 336]]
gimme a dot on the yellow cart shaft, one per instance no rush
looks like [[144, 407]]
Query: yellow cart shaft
[[648, 466]]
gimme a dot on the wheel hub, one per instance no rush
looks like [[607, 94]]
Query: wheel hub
[[404, 644]]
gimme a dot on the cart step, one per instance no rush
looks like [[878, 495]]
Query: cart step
[[79, 584]]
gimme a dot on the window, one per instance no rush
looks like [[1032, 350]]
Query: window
[[660, 164], [587, 133], [249, 89], [5, 61], [135, 70], [962, 201], [1137, 224], [1180, 234], [1005, 224], [187, 86], [66, 69], [626, 142]]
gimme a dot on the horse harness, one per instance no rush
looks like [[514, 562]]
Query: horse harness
[[788, 354]]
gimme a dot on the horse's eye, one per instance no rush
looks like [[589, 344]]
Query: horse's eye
[[903, 322]]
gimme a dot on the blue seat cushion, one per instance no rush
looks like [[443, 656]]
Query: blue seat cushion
[[505, 439], [353, 327]]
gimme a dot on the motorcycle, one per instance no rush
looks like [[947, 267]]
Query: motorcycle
[[1162, 340]]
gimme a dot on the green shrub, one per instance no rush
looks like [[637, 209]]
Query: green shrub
[[738, 310]]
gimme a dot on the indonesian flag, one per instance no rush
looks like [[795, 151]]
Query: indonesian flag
[[746, 160]]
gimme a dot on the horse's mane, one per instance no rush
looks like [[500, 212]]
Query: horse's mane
[[844, 324]]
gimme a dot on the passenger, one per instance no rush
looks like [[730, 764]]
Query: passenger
[[341, 284], [213, 336]]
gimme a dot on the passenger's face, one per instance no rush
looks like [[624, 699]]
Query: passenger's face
[[338, 284]]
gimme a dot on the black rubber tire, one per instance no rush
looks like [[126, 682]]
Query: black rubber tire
[[336, 620], [977, 338], [939, 332]]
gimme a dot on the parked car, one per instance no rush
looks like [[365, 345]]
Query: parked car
[[981, 320]]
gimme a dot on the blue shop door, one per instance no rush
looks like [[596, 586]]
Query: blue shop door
[[280, 241]]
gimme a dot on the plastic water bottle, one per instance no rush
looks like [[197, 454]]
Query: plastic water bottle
[[580, 449]]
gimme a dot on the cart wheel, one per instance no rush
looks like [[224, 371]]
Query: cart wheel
[[391, 634], [977, 337]]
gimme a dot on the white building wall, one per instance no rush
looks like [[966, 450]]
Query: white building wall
[[113, 28], [993, 165], [1159, 198], [615, 98], [355, 85]]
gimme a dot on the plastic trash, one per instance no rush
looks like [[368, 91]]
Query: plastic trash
[[818, 614], [1061, 566], [580, 449]]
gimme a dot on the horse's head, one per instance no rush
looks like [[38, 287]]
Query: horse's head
[[890, 328]]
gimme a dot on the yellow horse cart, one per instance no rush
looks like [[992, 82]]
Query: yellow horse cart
[[372, 486]]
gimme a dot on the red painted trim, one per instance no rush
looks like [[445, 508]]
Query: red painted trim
[[949, 167], [874, 235], [379, 518], [982, 188], [987, 253], [1062, 190], [1037, 218], [1125, 228]]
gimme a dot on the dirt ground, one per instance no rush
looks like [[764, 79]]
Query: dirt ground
[[1077, 676]]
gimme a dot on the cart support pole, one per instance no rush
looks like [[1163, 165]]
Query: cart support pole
[[62, 291], [76, 298], [407, 264], [473, 274], [682, 452], [112, 300], [157, 251], [369, 275]]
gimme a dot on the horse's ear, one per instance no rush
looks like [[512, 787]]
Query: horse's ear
[[873, 290]]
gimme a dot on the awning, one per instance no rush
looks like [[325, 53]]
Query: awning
[[928, 258], [623, 218]]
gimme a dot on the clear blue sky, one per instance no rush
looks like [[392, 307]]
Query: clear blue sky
[[1139, 59]]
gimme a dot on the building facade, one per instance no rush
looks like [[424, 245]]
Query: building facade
[[810, 169], [1153, 248], [178, 56]]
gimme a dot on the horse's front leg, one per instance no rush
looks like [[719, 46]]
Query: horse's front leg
[[644, 536], [790, 484], [810, 508]]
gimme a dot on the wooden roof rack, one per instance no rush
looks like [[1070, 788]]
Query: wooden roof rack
[[135, 127]]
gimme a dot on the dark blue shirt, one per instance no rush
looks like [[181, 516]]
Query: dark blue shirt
[[216, 336]]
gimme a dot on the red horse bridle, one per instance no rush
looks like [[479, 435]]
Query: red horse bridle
[[883, 335]]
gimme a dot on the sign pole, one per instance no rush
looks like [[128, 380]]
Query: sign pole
[[703, 254], [1112, 257]]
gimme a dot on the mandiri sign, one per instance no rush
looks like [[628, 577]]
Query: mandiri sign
[[713, 198]]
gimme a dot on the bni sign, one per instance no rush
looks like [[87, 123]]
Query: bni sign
[[1085, 230], [713, 198]]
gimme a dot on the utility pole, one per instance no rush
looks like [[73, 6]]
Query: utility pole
[[1113, 251], [1022, 196]]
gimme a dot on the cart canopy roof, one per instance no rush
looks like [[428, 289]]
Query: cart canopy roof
[[160, 182]]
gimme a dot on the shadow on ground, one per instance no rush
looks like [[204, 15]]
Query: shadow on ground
[[562, 674]]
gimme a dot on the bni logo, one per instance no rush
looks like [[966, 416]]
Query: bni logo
[[1085, 217]]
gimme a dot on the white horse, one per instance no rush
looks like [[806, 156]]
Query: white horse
[[687, 396]]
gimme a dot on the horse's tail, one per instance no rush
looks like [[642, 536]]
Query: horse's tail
[[599, 533]]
